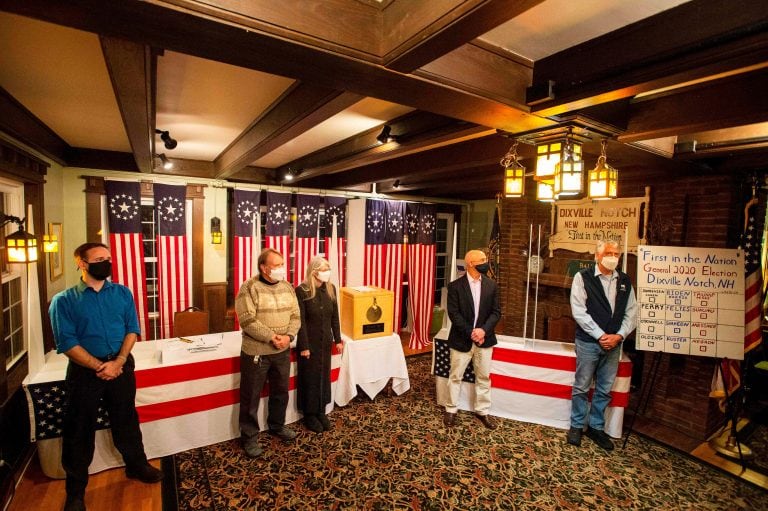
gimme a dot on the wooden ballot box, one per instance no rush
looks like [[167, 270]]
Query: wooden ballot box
[[366, 312]]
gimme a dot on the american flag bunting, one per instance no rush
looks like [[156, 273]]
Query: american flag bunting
[[305, 243], [420, 226], [172, 254]]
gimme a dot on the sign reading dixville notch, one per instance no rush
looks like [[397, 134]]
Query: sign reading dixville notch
[[579, 224]]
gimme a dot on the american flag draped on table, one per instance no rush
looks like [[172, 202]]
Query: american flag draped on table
[[127, 244], [420, 264], [753, 305], [384, 222], [48, 403], [172, 255], [278, 224], [335, 249], [305, 245]]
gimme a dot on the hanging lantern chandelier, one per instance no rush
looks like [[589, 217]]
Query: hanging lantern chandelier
[[514, 174], [603, 179]]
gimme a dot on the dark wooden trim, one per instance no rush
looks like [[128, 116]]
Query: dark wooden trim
[[99, 159], [20, 165], [447, 32], [215, 302], [132, 69], [25, 127], [300, 108], [195, 192], [691, 41], [94, 189], [734, 101]]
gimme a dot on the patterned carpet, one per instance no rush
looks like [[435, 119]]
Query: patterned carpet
[[394, 453]]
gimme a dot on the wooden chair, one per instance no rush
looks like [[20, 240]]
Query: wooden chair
[[191, 321]]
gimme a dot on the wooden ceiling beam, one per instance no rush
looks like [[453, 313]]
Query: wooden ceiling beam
[[449, 30], [414, 132], [464, 156], [24, 126], [696, 40], [132, 69], [734, 101], [300, 108], [237, 39]]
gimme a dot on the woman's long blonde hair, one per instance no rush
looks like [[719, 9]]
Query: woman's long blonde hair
[[308, 285]]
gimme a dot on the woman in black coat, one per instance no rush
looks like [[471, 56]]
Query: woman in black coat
[[319, 331]]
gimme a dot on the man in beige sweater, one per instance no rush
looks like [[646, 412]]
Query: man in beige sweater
[[269, 317]]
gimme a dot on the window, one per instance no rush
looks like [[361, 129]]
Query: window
[[14, 276], [148, 232]]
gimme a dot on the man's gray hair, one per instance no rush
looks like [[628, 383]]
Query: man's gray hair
[[601, 244]]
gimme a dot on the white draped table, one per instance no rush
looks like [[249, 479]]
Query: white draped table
[[190, 402], [370, 364]]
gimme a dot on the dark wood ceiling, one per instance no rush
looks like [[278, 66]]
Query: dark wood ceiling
[[693, 73]]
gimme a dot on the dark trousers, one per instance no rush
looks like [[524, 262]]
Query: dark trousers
[[85, 390], [273, 368]]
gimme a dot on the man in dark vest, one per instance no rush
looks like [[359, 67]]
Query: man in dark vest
[[604, 307]]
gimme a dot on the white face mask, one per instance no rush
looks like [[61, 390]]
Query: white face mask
[[324, 276], [610, 262], [277, 274]]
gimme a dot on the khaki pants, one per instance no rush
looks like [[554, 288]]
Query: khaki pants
[[481, 362]]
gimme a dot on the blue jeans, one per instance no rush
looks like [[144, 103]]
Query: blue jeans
[[593, 361]]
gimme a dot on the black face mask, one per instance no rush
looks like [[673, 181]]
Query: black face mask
[[100, 270], [483, 268]]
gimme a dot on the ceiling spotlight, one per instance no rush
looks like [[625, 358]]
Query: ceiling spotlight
[[167, 164], [170, 143], [396, 184], [290, 175], [386, 135]]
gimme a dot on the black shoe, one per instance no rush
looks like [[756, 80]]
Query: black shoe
[[600, 438], [285, 434], [449, 419], [313, 424], [145, 473], [574, 436], [253, 449], [323, 418], [487, 421], [74, 504]]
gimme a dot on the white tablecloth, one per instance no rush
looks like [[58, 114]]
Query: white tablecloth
[[188, 403], [531, 381], [370, 363]]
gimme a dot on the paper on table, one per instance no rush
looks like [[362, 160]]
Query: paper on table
[[363, 289]]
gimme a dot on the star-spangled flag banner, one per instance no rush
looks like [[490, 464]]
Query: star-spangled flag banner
[[383, 265], [335, 250], [247, 239], [126, 244], [494, 245], [48, 404], [172, 254], [278, 225], [420, 221], [305, 244], [753, 305]]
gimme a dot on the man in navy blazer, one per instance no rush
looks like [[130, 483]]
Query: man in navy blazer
[[474, 309]]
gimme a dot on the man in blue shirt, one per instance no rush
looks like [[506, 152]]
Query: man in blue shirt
[[95, 326], [604, 307]]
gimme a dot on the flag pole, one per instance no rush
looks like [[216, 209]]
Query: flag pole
[[527, 285]]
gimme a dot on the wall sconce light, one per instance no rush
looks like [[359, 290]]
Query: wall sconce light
[[21, 247], [396, 184], [216, 230], [50, 243], [603, 179], [386, 135], [170, 143], [166, 163], [569, 171], [514, 174]]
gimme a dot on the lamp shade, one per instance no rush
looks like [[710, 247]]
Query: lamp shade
[[514, 181], [21, 247], [216, 231], [545, 191], [548, 154], [603, 179], [569, 171]]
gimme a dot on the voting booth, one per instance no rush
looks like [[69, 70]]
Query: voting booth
[[366, 312]]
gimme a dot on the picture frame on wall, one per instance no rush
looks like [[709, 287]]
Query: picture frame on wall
[[55, 261]]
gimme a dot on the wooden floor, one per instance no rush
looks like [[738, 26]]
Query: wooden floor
[[110, 490], [107, 491]]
